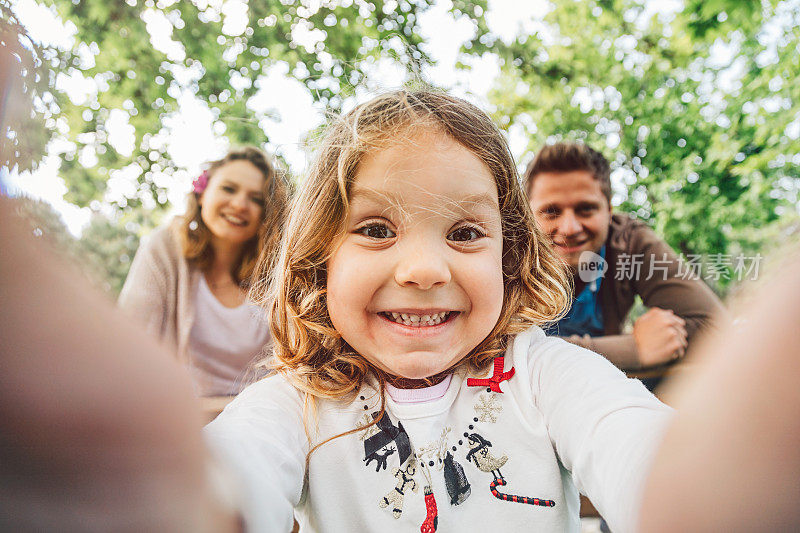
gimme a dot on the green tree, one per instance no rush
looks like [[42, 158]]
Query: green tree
[[698, 110], [105, 249], [329, 46], [45, 223], [108, 246], [25, 98]]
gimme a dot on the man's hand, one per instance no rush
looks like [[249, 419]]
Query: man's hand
[[660, 337]]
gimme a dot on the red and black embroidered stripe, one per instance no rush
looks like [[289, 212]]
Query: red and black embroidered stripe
[[517, 499]]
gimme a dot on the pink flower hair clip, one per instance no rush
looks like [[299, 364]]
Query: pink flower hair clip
[[200, 182]]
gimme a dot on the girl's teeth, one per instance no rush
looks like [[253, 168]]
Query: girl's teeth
[[417, 320]]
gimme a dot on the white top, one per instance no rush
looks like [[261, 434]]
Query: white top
[[223, 343], [567, 420]]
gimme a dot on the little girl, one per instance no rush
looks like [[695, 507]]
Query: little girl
[[415, 390]]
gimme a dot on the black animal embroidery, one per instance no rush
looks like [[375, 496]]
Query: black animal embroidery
[[379, 457], [388, 433], [486, 462]]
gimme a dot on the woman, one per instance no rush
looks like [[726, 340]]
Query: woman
[[188, 282]]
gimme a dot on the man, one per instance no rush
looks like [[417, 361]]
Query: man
[[569, 187]]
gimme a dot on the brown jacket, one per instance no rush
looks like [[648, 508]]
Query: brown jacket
[[661, 281]]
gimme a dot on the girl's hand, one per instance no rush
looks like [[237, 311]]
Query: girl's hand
[[99, 426]]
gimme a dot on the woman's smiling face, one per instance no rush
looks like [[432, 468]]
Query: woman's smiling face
[[232, 206], [416, 282]]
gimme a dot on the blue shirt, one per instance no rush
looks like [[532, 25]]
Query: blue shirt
[[585, 317]]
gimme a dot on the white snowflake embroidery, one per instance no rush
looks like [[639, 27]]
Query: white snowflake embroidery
[[488, 408], [369, 431]]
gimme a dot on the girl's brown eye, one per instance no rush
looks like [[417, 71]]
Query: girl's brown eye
[[465, 234], [377, 231]]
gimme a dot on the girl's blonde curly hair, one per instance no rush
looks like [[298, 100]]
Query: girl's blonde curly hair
[[307, 349]]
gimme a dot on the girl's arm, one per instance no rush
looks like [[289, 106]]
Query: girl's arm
[[260, 438], [98, 426], [733, 453], [604, 426]]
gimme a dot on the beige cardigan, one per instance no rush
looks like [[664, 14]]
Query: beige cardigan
[[158, 290]]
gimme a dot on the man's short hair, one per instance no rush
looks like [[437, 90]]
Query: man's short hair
[[569, 157]]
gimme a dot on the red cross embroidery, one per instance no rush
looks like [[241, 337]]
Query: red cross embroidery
[[493, 382]]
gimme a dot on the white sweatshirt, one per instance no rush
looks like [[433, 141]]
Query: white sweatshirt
[[566, 421]]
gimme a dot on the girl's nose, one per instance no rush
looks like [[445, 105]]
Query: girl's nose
[[423, 268]]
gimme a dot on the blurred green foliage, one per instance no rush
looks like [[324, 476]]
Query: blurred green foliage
[[328, 46], [698, 110], [25, 97], [103, 252]]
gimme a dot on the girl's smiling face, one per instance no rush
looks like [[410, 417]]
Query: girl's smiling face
[[416, 282]]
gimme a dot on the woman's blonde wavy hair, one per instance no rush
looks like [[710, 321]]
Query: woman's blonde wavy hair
[[196, 237], [307, 349]]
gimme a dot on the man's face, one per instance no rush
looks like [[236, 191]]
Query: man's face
[[572, 209]]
